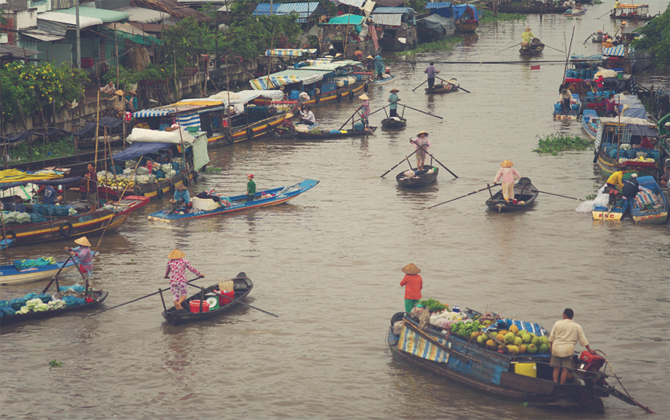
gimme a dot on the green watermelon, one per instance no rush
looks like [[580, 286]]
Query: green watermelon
[[544, 348], [532, 348]]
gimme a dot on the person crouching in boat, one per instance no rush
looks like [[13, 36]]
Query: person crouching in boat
[[182, 198], [307, 116], [630, 187], [508, 175], [527, 36], [83, 256], [413, 284], [176, 270], [565, 98], [421, 145]]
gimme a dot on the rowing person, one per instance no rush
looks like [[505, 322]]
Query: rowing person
[[82, 256], [527, 36], [393, 99], [431, 72], [507, 175], [176, 269], [421, 145]]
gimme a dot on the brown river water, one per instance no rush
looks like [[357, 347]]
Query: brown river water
[[328, 263]]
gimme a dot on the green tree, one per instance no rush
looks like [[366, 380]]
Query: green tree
[[656, 39]]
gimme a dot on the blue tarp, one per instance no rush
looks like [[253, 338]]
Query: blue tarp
[[347, 20], [440, 8], [139, 149], [460, 9]]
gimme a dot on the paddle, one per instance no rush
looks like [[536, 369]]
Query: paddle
[[464, 90], [406, 157], [374, 112], [56, 276], [352, 116], [463, 196], [419, 85], [606, 13], [423, 112], [558, 195], [561, 51], [428, 153], [246, 304], [135, 300], [515, 45]]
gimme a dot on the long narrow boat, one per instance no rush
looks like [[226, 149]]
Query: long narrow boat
[[413, 178], [650, 207], [341, 134], [519, 377], [525, 195], [379, 82], [157, 189], [9, 274], [437, 90], [90, 223], [574, 112], [265, 198], [394, 123], [100, 297], [590, 121], [242, 286], [575, 12]]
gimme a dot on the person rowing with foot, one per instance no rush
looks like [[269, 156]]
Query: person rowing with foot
[[176, 269]]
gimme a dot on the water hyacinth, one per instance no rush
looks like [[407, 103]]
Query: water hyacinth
[[557, 142]]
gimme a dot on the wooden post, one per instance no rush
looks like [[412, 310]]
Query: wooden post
[[202, 296], [116, 52]]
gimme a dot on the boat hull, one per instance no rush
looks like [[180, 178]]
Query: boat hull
[[327, 136], [156, 190], [650, 217], [467, 26], [10, 275], [526, 194], [379, 82], [438, 91], [34, 316], [394, 125], [422, 178]]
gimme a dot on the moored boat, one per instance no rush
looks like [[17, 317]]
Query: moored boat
[[651, 204], [525, 195], [413, 178], [379, 82], [631, 12], [467, 19], [394, 123], [574, 112], [217, 205], [614, 211], [335, 134], [94, 300], [574, 12], [590, 121], [242, 286]]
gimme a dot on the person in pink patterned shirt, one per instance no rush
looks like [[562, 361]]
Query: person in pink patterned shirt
[[176, 268]]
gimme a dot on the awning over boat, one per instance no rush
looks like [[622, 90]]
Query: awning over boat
[[333, 65], [347, 20], [15, 175], [289, 52], [245, 96], [140, 149], [143, 135], [52, 182], [185, 106], [286, 77], [617, 51], [637, 126], [468, 9], [632, 106], [387, 19]]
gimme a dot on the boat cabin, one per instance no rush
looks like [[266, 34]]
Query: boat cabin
[[631, 12], [467, 17], [396, 28], [627, 143], [347, 34]]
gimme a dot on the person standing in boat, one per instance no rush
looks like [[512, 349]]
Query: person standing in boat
[[393, 99], [431, 72], [421, 145], [365, 109], [610, 106], [251, 188], [176, 270], [379, 66], [507, 174], [527, 36], [564, 335], [82, 256], [413, 284], [90, 187]]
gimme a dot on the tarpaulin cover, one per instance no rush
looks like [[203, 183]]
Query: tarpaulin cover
[[387, 19], [413, 343], [460, 9], [14, 175], [289, 52], [105, 122], [200, 156], [437, 23], [17, 137], [284, 78], [139, 149], [617, 51], [53, 182], [393, 10], [143, 135], [347, 20]]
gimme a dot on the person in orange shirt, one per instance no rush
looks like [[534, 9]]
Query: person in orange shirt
[[413, 285]]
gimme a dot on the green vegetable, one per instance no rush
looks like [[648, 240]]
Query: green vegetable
[[433, 305]]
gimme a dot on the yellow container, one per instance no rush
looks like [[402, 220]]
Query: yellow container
[[526, 369]]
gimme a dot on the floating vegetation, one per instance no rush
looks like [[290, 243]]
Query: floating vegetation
[[591, 197], [443, 45], [488, 17], [213, 170], [55, 363], [555, 143]]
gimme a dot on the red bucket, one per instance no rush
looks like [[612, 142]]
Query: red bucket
[[225, 297], [195, 306]]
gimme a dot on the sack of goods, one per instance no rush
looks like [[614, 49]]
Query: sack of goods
[[142, 170], [302, 128]]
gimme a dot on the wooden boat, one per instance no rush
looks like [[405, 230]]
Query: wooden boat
[[394, 124], [325, 135], [436, 90], [265, 198], [575, 12], [100, 297], [77, 164], [413, 178], [535, 48], [525, 195], [157, 189], [379, 82], [495, 373], [631, 12], [59, 228], [590, 121], [242, 286], [9, 274], [573, 114], [467, 20], [609, 129], [656, 211]]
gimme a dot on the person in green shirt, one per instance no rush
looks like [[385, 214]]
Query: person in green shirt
[[393, 99], [527, 36], [251, 188]]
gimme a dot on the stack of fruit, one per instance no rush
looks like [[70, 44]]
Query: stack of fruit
[[513, 341]]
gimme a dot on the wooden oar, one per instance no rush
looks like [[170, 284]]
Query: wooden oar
[[419, 85], [243, 303], [352, 116], [135, 300], [515, 45], [463, 196], [428, 153], [555, 49], [423, 112], [374, 112], [464, 90], [558, 195], [56, 276], [406, 157]]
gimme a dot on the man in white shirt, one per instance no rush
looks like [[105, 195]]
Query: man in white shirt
[[564, 335], [307, 116]]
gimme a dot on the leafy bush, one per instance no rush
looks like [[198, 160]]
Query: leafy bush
[[25, 152], [555, 143]]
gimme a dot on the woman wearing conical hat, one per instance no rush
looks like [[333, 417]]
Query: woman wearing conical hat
[[507, 174], [421, 145], [365, 109], [82, 255], [176, 268], [413, 285]]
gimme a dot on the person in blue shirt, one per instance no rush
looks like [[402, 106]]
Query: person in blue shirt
[[182, 198], [379, 66], [49, 195], [393, 99]]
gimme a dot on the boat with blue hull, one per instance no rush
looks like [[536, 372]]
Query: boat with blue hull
[[226, 205], [651, 204], [590, 120], [614, 212], [574, 112], [10, 274], [498, 373]]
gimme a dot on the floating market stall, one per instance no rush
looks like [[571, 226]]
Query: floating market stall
[[631, 12], [398, 28], [651, 204], [347, 34], [467, 17]]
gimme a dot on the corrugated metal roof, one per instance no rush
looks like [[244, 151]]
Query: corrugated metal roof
[[172, 7], [106, 16], [15, 51], [304, 10], [69, 19], [393, 10], [354, 3], [41, 35], [142, 15], [438, 5]]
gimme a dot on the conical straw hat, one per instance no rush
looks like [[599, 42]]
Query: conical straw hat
[[82, 241], [176, 254], [364, 97], [506, 164], [411, 269]]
